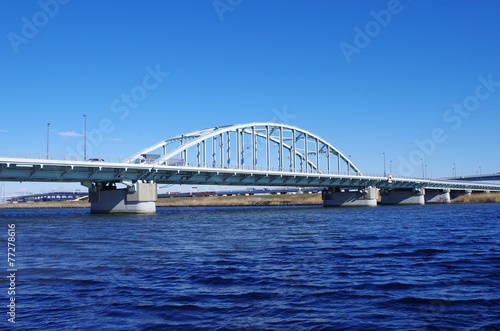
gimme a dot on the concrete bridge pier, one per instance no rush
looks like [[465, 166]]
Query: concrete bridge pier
[[139, 198], [402, 197], [337, 197], [437, 196], [457, 193]]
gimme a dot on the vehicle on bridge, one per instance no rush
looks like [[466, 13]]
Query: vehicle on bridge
[[146, 158]]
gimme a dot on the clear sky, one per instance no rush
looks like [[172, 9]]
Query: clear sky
[[417, 80]]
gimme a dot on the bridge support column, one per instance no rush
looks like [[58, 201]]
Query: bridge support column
[[139, 198], [335, 197], [437, 196], [402, 197]]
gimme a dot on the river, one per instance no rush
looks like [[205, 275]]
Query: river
[[434, 267]]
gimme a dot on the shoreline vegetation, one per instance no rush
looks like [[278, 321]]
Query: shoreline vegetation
[[252, 200], [478, 198]]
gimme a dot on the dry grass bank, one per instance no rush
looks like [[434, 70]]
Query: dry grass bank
[[478, 198], [252, 200], [48, 204]]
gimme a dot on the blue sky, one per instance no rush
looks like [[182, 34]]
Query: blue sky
[[411, 79]]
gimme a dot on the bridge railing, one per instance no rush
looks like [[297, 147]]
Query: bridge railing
[[308, 171], [59, 156], [115, 159]]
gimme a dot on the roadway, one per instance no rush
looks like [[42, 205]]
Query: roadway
[[36, 170]]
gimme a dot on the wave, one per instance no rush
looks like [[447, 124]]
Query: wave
[[446, 302]]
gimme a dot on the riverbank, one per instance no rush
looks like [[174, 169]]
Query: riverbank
[[479, 198], [241, 200], [251, 200], [47, 204]]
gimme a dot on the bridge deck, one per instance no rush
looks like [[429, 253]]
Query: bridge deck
[[35, 170]]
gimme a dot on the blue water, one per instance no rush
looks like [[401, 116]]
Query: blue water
[[259, 268]]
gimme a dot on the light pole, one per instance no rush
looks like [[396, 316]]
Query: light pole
[[480, 171], [390, 167], [423, 172], [48, 130], [84, 137], [384, 164], [454, 170]]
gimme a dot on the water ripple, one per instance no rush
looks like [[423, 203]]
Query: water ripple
[[283, 268]]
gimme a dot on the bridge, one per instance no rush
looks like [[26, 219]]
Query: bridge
[[47, 196], [253, 154], [480, 177]]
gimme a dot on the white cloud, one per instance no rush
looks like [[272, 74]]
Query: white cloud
[[3, 131], [70, 134]]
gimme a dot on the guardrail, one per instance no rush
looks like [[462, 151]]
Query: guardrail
[[208, 166], [59, 156]]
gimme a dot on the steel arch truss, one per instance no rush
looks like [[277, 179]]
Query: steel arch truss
[[254, 146]]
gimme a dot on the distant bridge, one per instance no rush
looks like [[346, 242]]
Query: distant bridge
[[47, 196], [254, 154], [480, 177]]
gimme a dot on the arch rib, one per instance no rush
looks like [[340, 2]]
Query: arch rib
[[263, 131]]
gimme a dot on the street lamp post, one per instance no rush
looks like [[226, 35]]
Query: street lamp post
[[454, 170], [384, 164], [84, 137], [390, 166], [423, 171], [48, 130]]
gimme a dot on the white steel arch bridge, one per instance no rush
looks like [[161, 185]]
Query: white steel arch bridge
[[253, 154], [254, 146]]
